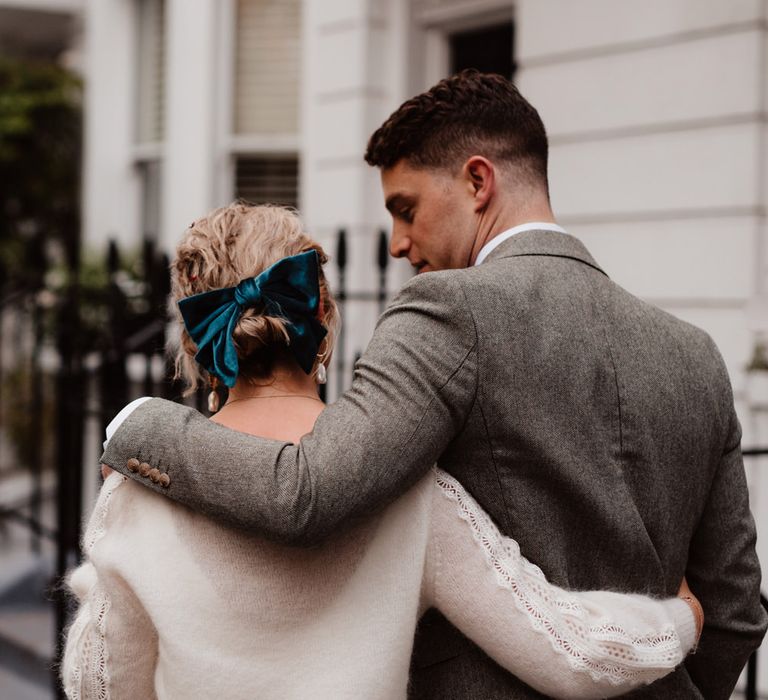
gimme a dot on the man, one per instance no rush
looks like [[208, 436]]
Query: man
[[597, 430]]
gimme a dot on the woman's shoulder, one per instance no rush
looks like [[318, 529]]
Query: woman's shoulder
[[125, 511]]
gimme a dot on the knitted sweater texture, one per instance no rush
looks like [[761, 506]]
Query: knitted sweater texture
[[175, 605]]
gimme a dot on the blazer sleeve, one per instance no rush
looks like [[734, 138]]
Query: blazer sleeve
[[565, 644], [111, 646], [411, 393], [724, 572]]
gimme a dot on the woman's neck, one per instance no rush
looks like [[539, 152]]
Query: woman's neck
[[283, 406], [283, 382]]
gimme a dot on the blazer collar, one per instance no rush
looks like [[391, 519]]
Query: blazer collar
[[544, 243]]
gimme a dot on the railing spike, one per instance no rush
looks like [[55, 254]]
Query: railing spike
[[341, 250], [113, 257], [383, 251]]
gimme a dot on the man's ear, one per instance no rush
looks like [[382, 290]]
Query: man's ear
[[480, 176]]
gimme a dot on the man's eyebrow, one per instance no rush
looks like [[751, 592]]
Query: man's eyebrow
[[396, 201]]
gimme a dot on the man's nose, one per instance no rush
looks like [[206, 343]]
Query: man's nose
[[398, 244]]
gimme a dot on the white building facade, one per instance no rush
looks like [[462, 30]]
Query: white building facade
[[656, 111]]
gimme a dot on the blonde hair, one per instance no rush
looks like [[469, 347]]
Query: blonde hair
[[229, 245]]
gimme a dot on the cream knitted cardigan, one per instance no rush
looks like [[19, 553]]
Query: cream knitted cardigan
[[174, 605]]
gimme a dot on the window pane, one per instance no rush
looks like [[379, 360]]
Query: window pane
[[267, 180], [151, 70], [267, 66], [149, 173]]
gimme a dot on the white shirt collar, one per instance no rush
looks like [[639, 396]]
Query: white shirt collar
[[498, 240]]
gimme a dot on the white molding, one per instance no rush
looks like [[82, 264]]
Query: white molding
[[436, 55], [703, 212], [761, 176], [240, 144], [66, 6], [665, 127], [133, 84], [464, 15], [154, 150], [633, 46], [226, 36], [305, 145], [434, 25], [188, 169], [111, 191]]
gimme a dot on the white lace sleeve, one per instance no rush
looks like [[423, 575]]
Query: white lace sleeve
[[110, 646], [565, 644]]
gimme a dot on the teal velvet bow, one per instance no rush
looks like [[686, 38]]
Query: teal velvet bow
[[289, 289]]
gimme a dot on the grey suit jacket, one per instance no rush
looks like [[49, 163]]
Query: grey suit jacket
[[596, 429]]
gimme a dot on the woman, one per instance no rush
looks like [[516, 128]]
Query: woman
[[175, 605]]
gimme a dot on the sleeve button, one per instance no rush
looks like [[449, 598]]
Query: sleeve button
[[154, 474], [144, 469], [132, 464], [164, 480]]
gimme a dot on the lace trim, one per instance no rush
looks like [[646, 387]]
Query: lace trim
[[607, 652], [97, 525], [86, 660]]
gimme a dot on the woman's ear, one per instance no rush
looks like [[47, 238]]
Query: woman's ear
[[480, 175]]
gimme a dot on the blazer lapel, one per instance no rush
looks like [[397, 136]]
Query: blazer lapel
[[544, 243]]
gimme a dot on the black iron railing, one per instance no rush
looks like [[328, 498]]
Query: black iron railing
[[95, 336], [343, 296]]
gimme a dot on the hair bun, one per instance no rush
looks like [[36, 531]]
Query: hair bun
[[258, 337]]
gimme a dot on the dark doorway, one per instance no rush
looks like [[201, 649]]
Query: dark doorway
[[489, 50]]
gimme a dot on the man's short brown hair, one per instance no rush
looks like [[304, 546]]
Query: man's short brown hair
[[470, 113]]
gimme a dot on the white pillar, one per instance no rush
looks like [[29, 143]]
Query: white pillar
[[110, 187], [190, 134], [354, 70]]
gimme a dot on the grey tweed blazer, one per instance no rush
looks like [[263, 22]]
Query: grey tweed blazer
[[596, 429]]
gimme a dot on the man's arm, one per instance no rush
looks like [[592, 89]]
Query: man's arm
[[411, 393], [724, 572]]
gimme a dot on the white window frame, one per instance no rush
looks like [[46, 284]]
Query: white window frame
[[436, 22], [231, 146], [143, 153]]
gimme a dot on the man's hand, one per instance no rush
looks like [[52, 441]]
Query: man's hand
[[687, 595], [106, 471]]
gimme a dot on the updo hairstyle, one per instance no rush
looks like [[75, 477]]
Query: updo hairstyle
[[229, 245]]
